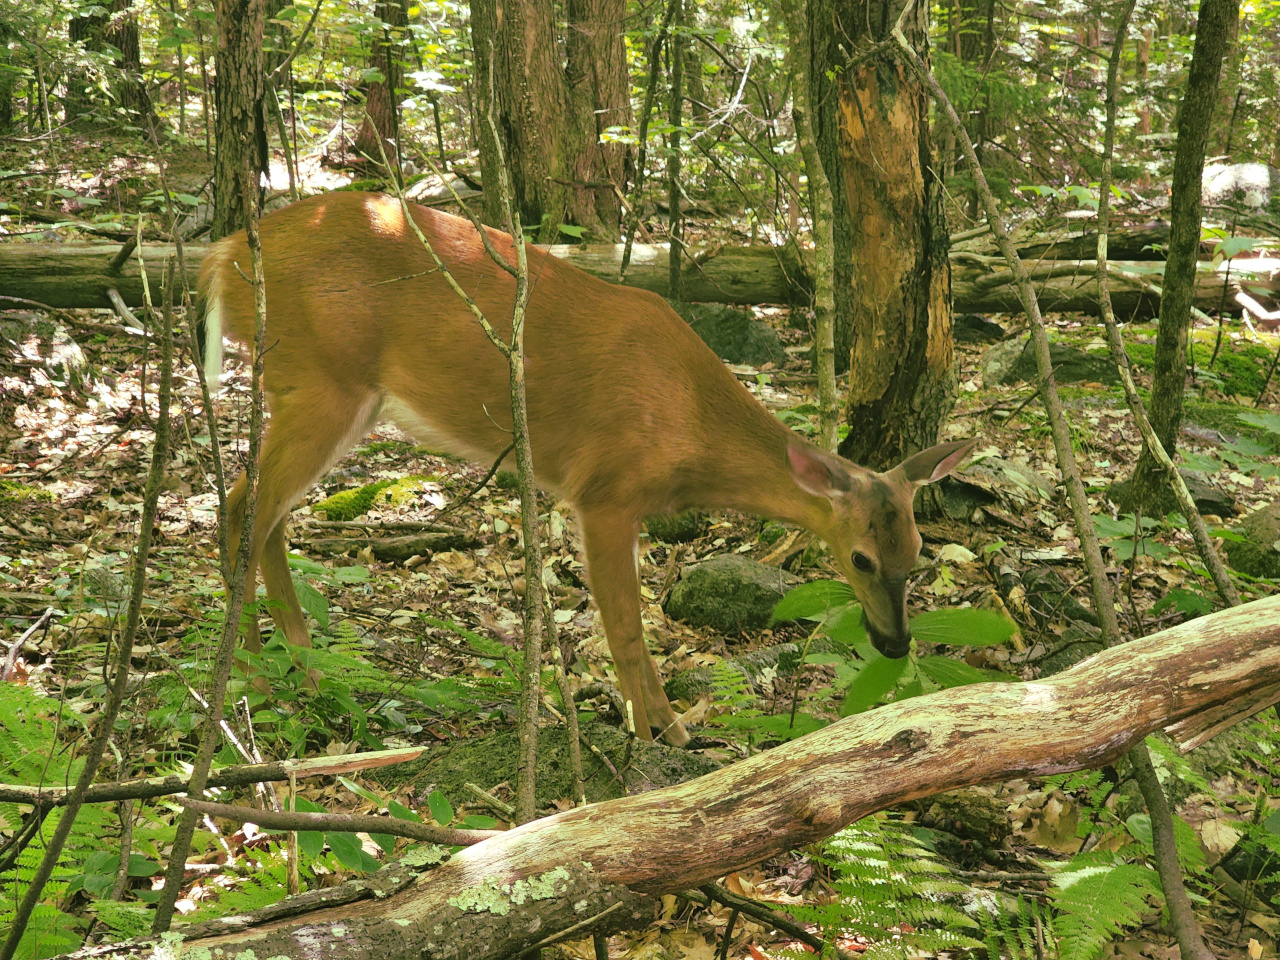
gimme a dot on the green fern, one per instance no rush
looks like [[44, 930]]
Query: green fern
[[893, 891], [1095, 901], [266, 886]]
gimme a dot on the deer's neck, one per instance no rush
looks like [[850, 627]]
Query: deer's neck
[[746, 468]]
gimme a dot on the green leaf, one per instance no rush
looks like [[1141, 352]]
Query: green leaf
[[569, 230], [1232, 246], [313, 602], [347, 848], [1190, 602], [812, 601], [948, 673], [441, 809], [361, 791], [1198, 461], [478, 821], [351, 574], [845, 627], [310, 842], [963, 627], [1139, 827], [401, 812], [1266, 420], [872, 684]]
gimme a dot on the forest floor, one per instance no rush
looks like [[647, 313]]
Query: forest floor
[[421, 651]]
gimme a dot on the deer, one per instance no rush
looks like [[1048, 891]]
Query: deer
[[630, 414]]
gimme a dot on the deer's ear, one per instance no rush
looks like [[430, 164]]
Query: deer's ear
[[816, 472], [933, 464]]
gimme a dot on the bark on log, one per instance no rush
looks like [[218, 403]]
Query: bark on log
[[68, 275], [74, 275], [589, 868]]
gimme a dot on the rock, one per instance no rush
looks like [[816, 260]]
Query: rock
[[1067, 656], [1071, 365], [971, 328], [998, 360], [735, 335], [729, 594], [676, 527], [1253, 186], [1258, 556], [1207, 498], [972, 813]]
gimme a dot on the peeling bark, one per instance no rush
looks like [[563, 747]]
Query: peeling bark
[[592, 868]]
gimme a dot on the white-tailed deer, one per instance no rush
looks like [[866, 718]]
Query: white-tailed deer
[[630, 413]]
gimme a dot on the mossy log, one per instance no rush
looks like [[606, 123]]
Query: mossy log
[[597, 868]]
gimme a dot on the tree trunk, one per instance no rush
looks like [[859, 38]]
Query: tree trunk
[[550, 118], [1218, 18], [591, 868], [240, 103], [599, 98], [382, 100], [129, 83], [892, 280], [85, 29]]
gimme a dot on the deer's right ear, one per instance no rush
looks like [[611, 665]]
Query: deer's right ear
[[816, 472]]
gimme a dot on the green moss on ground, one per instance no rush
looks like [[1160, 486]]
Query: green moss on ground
[[1242, 368], [11, 492], [349, 504]]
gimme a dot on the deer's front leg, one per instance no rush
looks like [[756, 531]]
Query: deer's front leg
[[611, 543]]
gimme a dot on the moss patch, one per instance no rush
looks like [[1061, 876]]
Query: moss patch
[[349, 504], [11, 491], [1241, 368], [1225, 418]]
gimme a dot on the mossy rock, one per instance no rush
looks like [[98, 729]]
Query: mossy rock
[[729, 594], [506, 480], [1071, 365], [13, 492], [1257, 556], [349, 504], [735, 335], [1225, 418], [676, 527], [1241, 367], [491, 760]]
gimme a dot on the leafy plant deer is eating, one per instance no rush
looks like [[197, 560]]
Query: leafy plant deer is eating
[[630, 414]]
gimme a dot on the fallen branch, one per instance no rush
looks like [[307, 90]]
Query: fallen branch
[[238, 776], [339, 822], [500, 897]]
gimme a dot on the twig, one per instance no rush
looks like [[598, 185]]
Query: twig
[[489, 800], [237, 776], [340, 823], [297, 45], [466, 497], [12, 656]]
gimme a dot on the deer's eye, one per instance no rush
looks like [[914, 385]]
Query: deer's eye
[[862, 562]]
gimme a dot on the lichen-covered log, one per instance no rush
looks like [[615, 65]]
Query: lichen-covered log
[[593, 864]]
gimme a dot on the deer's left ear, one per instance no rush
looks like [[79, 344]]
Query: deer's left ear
[[933, 464], [816, 472]]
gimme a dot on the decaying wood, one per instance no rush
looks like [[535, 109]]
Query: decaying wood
[[393, 549], [592, 867]]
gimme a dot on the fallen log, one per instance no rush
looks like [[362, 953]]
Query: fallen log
[[70, 275], [595, 868], [78, 275]]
